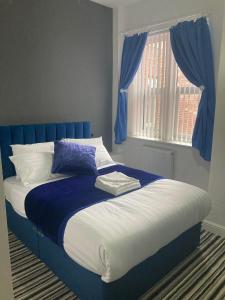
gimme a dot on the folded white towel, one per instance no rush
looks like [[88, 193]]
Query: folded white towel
[[117, 183]]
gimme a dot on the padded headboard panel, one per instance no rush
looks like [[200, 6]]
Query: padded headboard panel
[[29, 134]]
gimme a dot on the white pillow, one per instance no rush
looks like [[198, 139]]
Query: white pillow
[[31, 148], [38, 147], [102, 156], [33, 167]]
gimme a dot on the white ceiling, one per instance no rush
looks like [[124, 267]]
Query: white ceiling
[[109, 3], [115, 3]]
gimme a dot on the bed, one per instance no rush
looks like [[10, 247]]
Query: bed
[[176, 242]]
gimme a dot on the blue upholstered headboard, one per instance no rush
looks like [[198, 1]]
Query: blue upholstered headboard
[[29, 134]]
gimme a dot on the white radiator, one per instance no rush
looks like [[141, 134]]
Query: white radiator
[[158, 161]]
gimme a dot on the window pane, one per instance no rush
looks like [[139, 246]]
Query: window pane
[[188, 97]]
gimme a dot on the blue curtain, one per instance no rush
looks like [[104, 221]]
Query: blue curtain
[[132, 52], [192, 49]]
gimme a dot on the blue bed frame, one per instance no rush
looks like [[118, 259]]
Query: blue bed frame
[[85, 284]]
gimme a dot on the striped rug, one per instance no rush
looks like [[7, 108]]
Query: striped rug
[[200, 277]]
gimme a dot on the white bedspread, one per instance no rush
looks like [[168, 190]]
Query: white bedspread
[[111, 237]]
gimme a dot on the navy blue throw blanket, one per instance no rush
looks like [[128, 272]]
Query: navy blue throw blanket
[[51, 205]]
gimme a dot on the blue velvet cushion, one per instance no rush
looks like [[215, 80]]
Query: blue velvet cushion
[[72, 158]]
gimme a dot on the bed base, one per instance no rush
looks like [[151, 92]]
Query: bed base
[[88, 285]]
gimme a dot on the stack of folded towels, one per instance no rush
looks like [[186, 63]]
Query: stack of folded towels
[[117, 183]]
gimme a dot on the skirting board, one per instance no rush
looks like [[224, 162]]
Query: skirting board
[[214, 228]]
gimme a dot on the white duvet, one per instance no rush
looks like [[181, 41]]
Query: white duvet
[[112, 237]]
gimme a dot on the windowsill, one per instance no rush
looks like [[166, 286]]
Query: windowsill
[[160, 142]]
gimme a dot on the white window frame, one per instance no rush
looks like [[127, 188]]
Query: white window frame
[[166, 124]]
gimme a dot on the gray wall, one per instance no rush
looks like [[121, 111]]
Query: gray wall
[[56, 63]]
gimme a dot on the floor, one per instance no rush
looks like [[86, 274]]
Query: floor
[[200, 277]]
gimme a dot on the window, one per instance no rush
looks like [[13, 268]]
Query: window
[[162, 102]]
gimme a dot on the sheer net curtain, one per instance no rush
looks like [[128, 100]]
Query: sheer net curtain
[[162, 103]]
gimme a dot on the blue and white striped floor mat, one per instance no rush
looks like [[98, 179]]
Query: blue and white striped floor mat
[[201, 276]]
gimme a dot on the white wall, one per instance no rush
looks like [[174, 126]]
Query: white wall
[[189, 166], [217, 172]]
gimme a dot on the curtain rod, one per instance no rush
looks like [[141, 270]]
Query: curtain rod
[[162, 26]]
